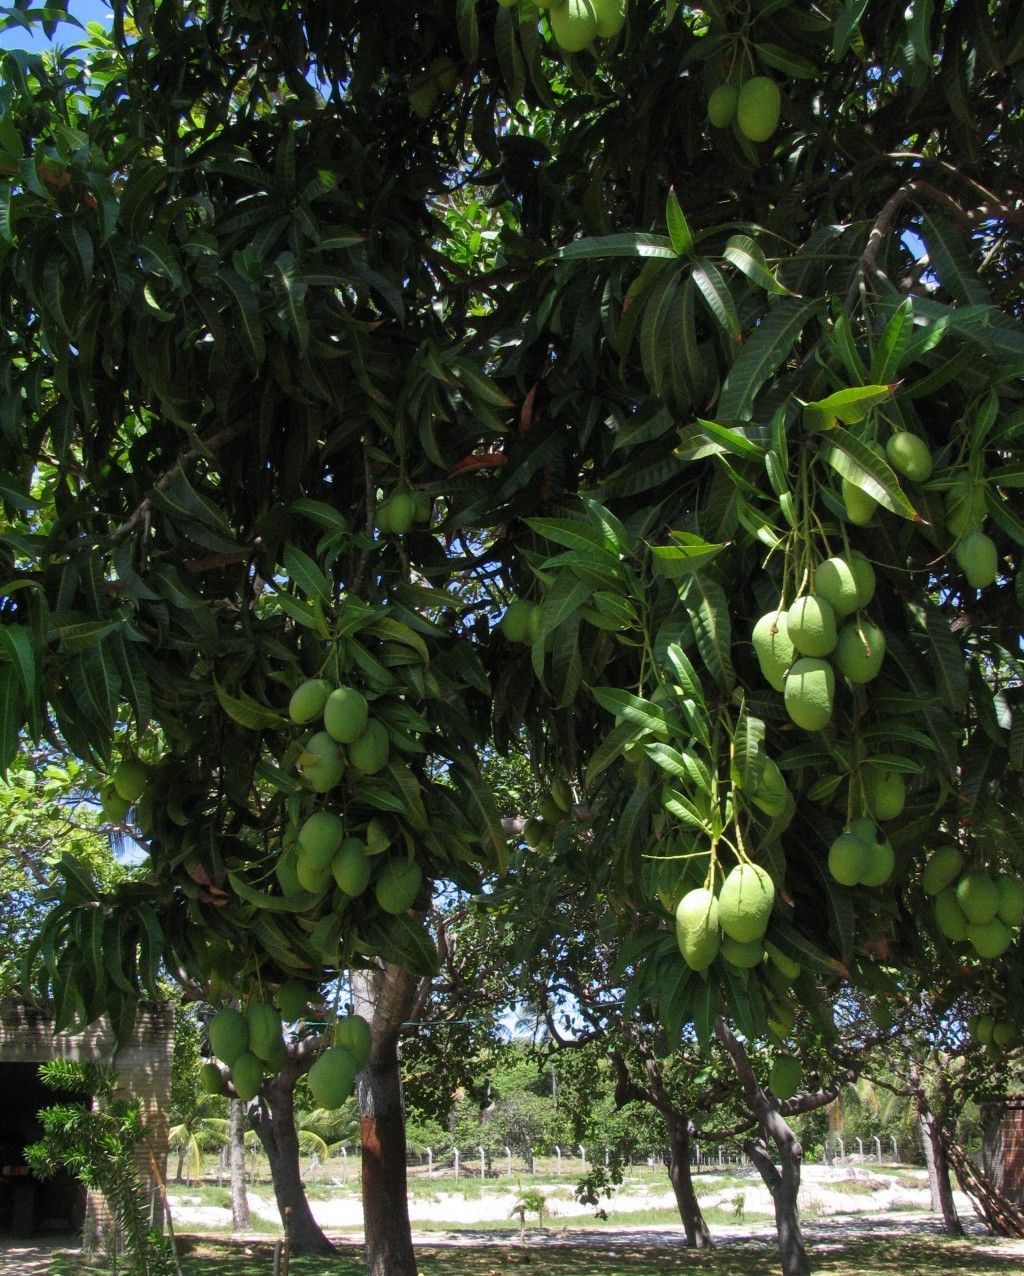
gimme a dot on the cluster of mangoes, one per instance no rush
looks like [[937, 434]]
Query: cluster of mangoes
[[792, 644], [910, 456], [251, 1045], [398, 512], [861, 855], [350, 740], [576, 24], [754, 107], [552, 809], [970, 904], [997, 1034], [326, 851], [732, 922], [122, 788]]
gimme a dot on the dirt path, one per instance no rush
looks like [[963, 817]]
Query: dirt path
[[17, 1258]]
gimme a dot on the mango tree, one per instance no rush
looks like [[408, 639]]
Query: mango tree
[[683, 339]]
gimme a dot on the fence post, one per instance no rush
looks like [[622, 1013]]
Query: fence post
[[558, 1155], [508, 1160], [860, 1148], [842, 1148], [895, 1149], [456, 1162], [430, 1161], [583, 1157], [720, 1156], [483, 1162], [606, 1155], [878, 1148]]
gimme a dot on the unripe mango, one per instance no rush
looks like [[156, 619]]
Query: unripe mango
[[978, 559], [949, 916], [573, 24], [809, 691], [942, 869], [847, 858], [860, 507], [757, 108], [886, 792], [811, 626], [345, 714], [308, 700], [978, 896], [860, 650], [611, 17], [722, 105], [697, 932], [745, 902], [773, 648], [369, 752], [909, 455]]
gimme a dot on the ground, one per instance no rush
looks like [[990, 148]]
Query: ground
[[859, 1221]]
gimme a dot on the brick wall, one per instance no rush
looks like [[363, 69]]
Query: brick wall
[[143, 1066], [1003, 1146]]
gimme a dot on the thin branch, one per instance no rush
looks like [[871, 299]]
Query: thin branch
[[212, 444]]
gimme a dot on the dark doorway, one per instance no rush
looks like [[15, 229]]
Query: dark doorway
[[31, 1206]]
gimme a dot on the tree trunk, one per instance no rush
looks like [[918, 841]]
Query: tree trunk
[[179, 1172], [240, 1220], [937, 1161], [274, 1122], [782, 1180], [384, 997], [697, 1233]]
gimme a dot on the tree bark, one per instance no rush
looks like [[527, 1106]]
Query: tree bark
[[698, 1234], [782, 1180], [385, 997], [936, 1159], [273, 1119], [240, 1220]]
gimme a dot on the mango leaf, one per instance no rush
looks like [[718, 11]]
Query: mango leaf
[[407, 943], [248, 712], [593, 248], [745, 1002], [707, 1007], [848, 406], [762, 354], [16, 643], [640, 713], [303, 572], [678, 227], [469, 29], [745, 254], [681, 763], [730, 439], [686, 554], [685, 674], [708, 606], [948, 663], [715, 291], [675, 988], [748, 752], [846, 25]]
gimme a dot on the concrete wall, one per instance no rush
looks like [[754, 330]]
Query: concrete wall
[[143, 1066]]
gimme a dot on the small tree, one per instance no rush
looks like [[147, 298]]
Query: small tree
[[97, 1143]]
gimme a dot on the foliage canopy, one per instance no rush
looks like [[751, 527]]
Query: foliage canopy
[[635, 369]]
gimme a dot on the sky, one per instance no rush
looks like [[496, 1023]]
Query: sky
[[84, 10]]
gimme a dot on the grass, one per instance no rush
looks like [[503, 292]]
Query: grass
[[860, 1256]]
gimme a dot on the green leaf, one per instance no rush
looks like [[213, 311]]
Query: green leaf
[[250, 327], [306, 575], [948, 664], [248, 712], [469, 29], [687, 553], [407, 943], [706, 1008], [681, 763], [762, 354], [715, 291], [685, 674], [846, 25], [892, 350], [791, 64], [622, 245], [745, 254], [16, 644], [745, 1002], [949, 260], [478, 802], [848, 406], [678, 227], [729, 439], [650, 717], [866, 469], [748, 752], [708, 606], [477, 384], [301, 902], [11, 715], [675, 988], [574, 533]]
